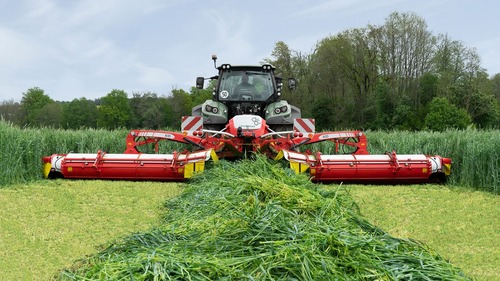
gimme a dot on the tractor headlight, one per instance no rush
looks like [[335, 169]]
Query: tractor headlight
[[282, 109], [212, 109]]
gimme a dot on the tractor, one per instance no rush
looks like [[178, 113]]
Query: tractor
[[253, 90]]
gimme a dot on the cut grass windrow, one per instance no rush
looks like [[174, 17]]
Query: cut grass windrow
[[255, 220]]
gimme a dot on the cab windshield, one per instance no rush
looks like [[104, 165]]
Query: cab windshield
[[245, 85]]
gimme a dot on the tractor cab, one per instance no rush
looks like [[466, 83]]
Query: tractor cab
[[245, 89]]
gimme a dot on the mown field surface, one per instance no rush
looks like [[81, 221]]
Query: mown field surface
[[461, 225], [47, 225]]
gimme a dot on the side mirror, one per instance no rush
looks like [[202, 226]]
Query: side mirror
[[292, 83], [200, 81]]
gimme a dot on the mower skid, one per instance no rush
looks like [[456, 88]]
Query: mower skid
[[158, 167], [384, 168]]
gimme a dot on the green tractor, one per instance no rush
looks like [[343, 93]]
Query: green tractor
[[245, 89]]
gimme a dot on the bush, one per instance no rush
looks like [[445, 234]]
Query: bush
[[443, 115]]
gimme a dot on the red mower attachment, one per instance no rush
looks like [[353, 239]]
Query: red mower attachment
[[242, 136], [388, 168], [137, 166]]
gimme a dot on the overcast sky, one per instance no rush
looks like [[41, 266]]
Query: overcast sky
[[86, 48]]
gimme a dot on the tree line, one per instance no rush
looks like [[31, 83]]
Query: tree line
[[114, 110], [394, 76]]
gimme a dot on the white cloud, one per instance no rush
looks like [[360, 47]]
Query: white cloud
[[328, 8], [15, 48], [153, 76], [231, 34], [39, 9], [489, 51]]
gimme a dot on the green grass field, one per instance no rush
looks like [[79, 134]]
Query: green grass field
[[48, 225], [463, 226]]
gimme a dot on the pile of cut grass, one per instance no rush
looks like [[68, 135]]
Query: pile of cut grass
[[254, 220]]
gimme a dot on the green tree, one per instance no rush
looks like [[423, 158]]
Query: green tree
[[448, 59], [330, 83], [405, 118], [427, 90], [80, 113], [32, 103], [292, 64], [444, 115], [199, 96], [148, 111], [322, 113], [459, 70], [484, 110], [381, 107], [347, 71], [405, 48], [166, 108], [50, 115], [153, 117], [9, 111], [304, 94], [495, 88], [386, 76], [181, 104], [495, 83], [282, 60], [115, 111]]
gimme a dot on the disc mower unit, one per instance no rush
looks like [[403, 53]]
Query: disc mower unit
[[246, 116]]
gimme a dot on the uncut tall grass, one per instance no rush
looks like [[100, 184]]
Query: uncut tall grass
[[21, 150], [475, 153]]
